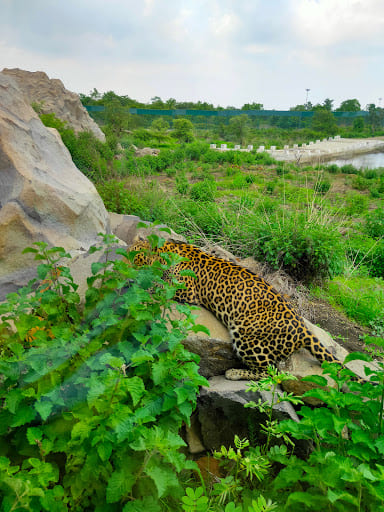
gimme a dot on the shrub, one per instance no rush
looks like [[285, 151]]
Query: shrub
[[322, 186], [182, 184], [203, 191], [90, 155], [183, 130], [281, 170], [377, 268], [196, 150], [360, 183], [306, 251], [356, 203], [115, 197], [374, 223], [349, 169], [93, 397], [242, 181], [201, 219], [332, 168]]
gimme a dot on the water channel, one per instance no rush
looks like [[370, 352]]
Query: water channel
[[366, 161]]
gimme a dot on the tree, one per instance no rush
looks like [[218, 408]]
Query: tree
[[302, 107], [252, 106], [170, 103], [358, 124], [328, 104], [324, 121], [116, 116], [239, 127], [183, 130], [157, 102], [349, 106], [160, 125], [375, 116]]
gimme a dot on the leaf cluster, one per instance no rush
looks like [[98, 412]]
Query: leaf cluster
[[92, 401]]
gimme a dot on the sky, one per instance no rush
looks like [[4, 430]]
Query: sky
[[225, 52]]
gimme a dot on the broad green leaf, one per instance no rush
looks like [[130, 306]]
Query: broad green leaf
[[24, 414], [146, 504], [119, 484], [357, 356], [164, 477], [34, 434], [136, 388], [44, 408], [104, 450], [316, 379]]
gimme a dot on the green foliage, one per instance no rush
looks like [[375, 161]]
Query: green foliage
[[344, 471], [182, 184], [183, 130], [360, 183], [239, 127], [349, 106], [203, 191], [89, 154], [322, 186], [348, 169], [374, 223], [116, 197], [362, 298], [332, 168], [356, 203], [324, 121], [307, 251], [160, 124], [93, 396]]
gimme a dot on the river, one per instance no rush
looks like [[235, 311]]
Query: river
[[366, 161]]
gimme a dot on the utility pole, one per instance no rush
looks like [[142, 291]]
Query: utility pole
[[306, 99]]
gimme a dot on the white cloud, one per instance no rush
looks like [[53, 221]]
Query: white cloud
[[327, 23], [222, 51]]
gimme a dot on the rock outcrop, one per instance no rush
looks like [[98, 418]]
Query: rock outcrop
[[52, 96], [43, 196]]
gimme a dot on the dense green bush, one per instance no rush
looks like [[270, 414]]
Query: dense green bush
[[348, 169], [203, 191], [89, 154], [307, 251], [374, 223], [93, 396], [322, 186], [377, 268], [356, 203], [199, 218]]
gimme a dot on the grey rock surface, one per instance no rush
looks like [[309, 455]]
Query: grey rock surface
[[53, 97], [43, 196], [222, 413]]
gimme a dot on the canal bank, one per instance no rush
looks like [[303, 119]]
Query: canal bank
[[335, 148]]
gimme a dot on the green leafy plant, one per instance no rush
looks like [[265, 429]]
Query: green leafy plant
[[344, 471], [93, 399], [270, 384], [203, 191]]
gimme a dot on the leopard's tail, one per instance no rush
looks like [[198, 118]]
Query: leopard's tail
[[321, 353]]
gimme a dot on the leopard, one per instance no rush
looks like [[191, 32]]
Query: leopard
[[264, 326]]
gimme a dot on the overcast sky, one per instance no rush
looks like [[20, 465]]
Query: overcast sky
[[226, 52]]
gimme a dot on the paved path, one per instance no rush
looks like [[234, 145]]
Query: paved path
[[318, 151], [330, 149]]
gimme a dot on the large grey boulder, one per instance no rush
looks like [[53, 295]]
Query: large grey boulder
[[43, 196], [53, 97]]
